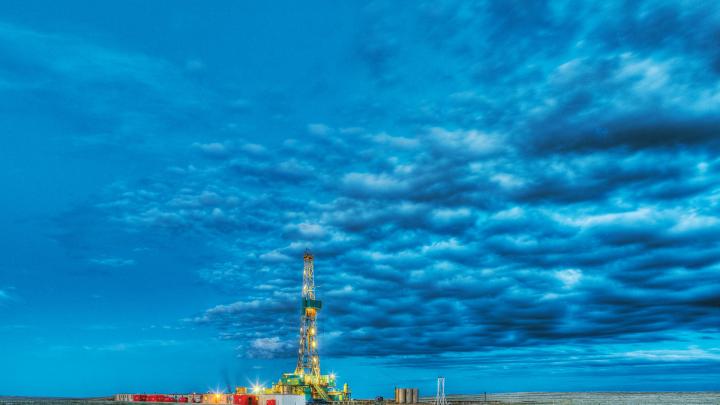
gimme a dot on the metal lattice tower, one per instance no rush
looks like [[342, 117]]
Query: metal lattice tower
[[308, 359], [440, 397]]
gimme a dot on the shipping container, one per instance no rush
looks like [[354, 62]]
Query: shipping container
[[124, 397], [281, 399], [245, 399], [217, 398]]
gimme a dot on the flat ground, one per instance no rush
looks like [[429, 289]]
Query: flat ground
[[526, 398], [588, 398]]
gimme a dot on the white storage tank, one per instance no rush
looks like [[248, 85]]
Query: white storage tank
[[401, 396]]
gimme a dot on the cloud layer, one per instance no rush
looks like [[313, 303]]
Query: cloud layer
[[540, 178]]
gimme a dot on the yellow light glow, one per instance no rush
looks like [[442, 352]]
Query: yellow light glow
[[314, 344], [332, 376]]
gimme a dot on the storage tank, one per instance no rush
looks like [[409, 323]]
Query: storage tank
[[408, 395], [416, 395], [401, 396]]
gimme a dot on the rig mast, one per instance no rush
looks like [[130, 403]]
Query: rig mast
[[308, 360], [307, 380]]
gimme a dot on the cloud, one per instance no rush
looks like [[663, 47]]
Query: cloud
[[569, 277], [274, 257], [368, 184], [79, 59], [319, 129], [112, 262], [132, 346], [441, 232], [213, 149], [265, 348], [307, 230], [457, 143], [690, 354], [141, 96], [553, 176]]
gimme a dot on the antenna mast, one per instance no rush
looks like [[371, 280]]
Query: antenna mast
[[440, 397]]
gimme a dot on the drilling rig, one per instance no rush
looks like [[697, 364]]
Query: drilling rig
[[307, 379]]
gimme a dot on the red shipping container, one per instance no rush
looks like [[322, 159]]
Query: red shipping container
[[182, 399], [244, 399], [270, 402]]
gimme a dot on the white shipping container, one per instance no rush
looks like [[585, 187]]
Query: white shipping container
[[123, 397], [262, 398], [282, 399]]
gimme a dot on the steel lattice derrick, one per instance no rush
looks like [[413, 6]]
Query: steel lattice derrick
[[308, 359]]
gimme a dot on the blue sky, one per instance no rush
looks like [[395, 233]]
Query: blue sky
[[518, 196]]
